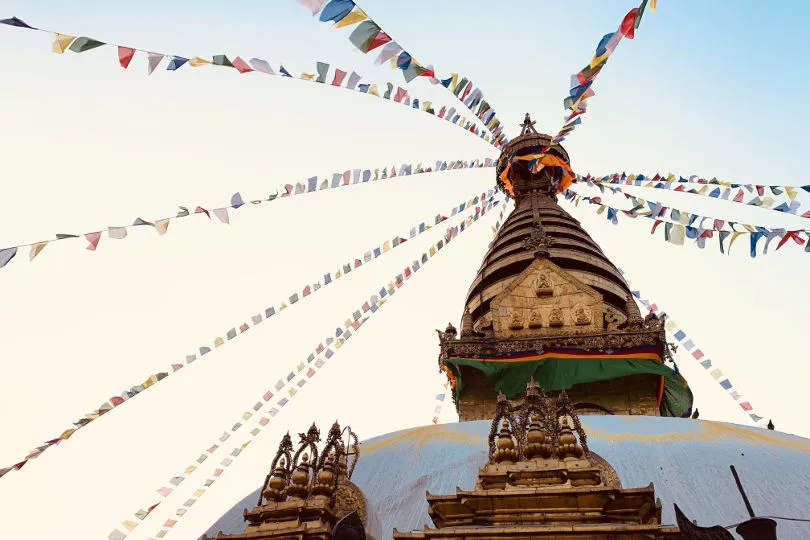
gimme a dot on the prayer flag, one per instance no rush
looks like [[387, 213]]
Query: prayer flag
[[82, 44]]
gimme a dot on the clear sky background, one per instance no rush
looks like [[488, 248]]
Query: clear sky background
[[707, 88]]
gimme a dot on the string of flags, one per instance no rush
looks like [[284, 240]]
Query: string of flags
[[349, 177], [682, 225], [699, 356], [582, 82], [67, 42], [256, 319], [713, 188], [440, 398], [293, 382], [368, 36]]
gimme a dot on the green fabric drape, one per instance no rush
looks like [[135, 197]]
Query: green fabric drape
[[554, 374]]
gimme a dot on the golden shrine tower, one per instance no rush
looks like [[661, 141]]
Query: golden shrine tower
[[548, 304], [550, 333]]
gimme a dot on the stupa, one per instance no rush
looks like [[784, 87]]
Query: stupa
[[572, 423]]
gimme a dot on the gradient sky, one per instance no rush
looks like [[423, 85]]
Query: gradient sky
[[715, 89]]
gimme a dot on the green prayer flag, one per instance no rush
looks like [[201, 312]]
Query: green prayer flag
[[639, 14], [323, 69], [82, 44], [222, 60], [363, 36]]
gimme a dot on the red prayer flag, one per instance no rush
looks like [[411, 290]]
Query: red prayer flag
[[698, 354], [746, 406], [267, 396], [319, 350], [339, 76], [201, 210], [366, 307], [310, 372], [379, 40], [244, 328], [400, 94], [125, 55], [307, 291], [175, 367], [357, 262], [241, 66], [791, 235], [627, 27], [116, 401], [93, 238], [169, 523], [655, 225], [738, 197], [435, 419], [264, 421], [217, 472]]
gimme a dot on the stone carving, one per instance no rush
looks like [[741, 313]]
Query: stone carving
[[543, 285], [555, 319], [535, 320], [581, 316], [515, 321], [612, 320]]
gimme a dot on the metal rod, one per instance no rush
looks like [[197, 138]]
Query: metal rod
[[742, 492]]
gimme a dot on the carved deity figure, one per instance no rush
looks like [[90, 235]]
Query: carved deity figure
[[581, 316], [555, 319], [535, 319], [515, 321], [543, 285], [611, 320]]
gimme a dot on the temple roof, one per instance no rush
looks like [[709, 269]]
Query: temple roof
[[536, 223], [687, 460]]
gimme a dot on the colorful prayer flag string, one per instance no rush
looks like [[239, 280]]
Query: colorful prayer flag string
[[65, 42], [117, 400], [581, 91], [681, 226], [710, 188], [368, 36], [317, 359], [310, 185], [698, 355], [440, 398]]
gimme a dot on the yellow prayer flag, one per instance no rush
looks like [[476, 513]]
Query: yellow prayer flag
[[293, 391], [631, 178], [670, 177], [61, 42], [35, 249], [453, 81], [219, 341], [129, 525], [199, 493], [338, 274], [432, 251], [596, 60], [197, 62], [162, 225], [308, 76], [748, 228], [150, 381], [373, 90], [67, 434], [355, 16], [733, 238], [338, 344], [703, 189], [246, 415], [301, 367], [652, 4], [791, 192], [190, 469], [244, 444], [767, 202], [602, 208], [283, 306]]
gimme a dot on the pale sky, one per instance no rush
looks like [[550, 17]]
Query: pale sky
[[86, 145]]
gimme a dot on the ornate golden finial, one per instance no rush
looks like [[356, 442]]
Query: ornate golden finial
[[505, 413], [326, 479], [299, 483], [565, 410], [538, 444], [506, 451], [450, 330], [527, 126], [567, 446], [274, 487]]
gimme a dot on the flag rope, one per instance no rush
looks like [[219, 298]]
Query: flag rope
[[355, 176], [342, 334], [699, 356], [116, 401], [65, 42]]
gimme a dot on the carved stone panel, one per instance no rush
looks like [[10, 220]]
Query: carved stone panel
[[546, 300]]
